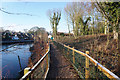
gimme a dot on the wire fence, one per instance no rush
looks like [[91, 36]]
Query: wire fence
[[85, 65], [39, 70]]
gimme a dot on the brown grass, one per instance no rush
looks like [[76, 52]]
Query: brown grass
[[107, 55], [38, 50]]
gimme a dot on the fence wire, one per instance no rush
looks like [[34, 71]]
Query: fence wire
[[40, 69], [79, 63]]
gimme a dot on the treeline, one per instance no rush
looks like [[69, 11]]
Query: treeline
[[86, 18], [40, 34]]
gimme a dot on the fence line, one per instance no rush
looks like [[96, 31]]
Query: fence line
[[104, 70], [31, 73]]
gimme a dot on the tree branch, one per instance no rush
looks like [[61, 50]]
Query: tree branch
[[100, 9]]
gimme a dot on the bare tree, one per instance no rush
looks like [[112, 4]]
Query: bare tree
[[69, 10], [76, 13], [54, 17]]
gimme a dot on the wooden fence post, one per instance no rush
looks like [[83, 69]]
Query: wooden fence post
[[26, 70], [87, 67], [73, 56]]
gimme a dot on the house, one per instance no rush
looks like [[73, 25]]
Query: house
[[49, 37], [15, 37]]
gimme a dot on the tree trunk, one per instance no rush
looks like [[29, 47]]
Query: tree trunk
[[93, 27], [76, 29], [55, 30], [69, 29], [73, 24], [115, 33], [107, 38], [93, 30], [73, 29], [119, 39], [105, 32]]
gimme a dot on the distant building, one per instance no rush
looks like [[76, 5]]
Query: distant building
[[15, 37], [49, 37], [10, 35]]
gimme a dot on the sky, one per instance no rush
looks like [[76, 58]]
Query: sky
[[37, 9]]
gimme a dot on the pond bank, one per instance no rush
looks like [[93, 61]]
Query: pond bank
[[20, 41], [38, 50]]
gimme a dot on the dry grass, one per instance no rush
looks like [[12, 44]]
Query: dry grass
[[106, 54], [38, 50]]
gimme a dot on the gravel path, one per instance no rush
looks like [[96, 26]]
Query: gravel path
[[59, 66]]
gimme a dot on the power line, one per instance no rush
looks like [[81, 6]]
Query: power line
[[17, 13]]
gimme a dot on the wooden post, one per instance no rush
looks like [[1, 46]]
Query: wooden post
[[26, 70], [73, 56], [19, 63], [87, 67]]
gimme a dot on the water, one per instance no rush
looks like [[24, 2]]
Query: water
[[10, 62]]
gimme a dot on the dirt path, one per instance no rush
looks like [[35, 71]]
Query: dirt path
[[59, 66]]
